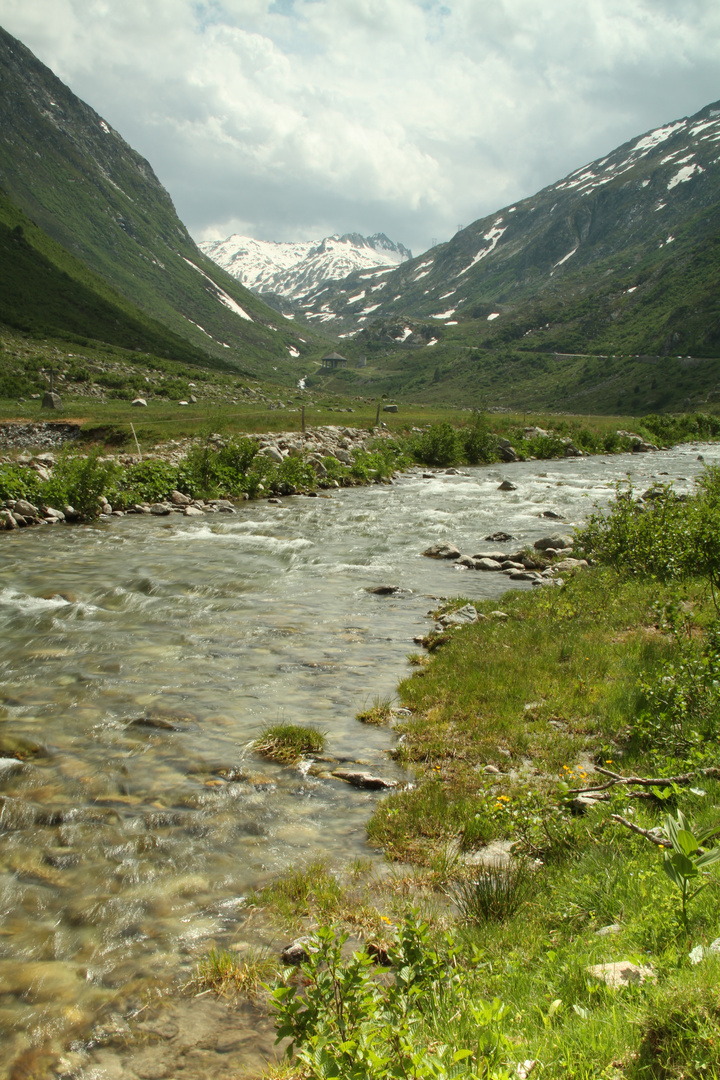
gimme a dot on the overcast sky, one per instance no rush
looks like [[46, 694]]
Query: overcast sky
[[294, 119]]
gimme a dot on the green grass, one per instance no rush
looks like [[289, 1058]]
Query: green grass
[[289, 743]]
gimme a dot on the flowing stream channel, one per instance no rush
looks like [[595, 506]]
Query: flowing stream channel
[[126, 848]]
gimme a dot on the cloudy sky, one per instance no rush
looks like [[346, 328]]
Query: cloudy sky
[[294, 119]]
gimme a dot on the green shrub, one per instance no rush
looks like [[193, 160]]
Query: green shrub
[[147, 481], [478, 442], [81, 481], [438, 445], [19, 483]]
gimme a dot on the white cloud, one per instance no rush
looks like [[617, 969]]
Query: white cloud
[[292, 118]]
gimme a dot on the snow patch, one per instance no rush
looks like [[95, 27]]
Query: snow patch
[[683, 175], [670, 240], [407, 332], [632, 288], [288, 316], [220, 294], [293, 352], [354, 299], [566, 257], [421, 275], [492, 236], [660, 206], [103, 125], [444, 314], [351, 333], [494, 315], [433, 341], [649, 142], [371, 307]]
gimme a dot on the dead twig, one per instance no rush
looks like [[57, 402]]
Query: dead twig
[[651, 836], [647, 781]]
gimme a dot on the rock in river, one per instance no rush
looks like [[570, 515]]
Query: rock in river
[[442, 551], [364, 779]]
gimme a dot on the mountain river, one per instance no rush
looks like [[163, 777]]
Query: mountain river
[[126, 849]]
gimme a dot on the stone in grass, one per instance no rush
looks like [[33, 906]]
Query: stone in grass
[[462, 617], [699, 953], [621, 973], [442, 551], [606, 931]]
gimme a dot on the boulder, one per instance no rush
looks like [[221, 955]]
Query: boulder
[[557, 541], [139, 402], [7, 521], [390, 408], [572, 451], [52, 513], [272, 453], [160, 509], [507, 485], [51, 400], [384, 590], [622, 973], [498, 556], [466, 560], [177, 498], [570, 564], [296, 953], [487, 564], [193, 511], [442, 551], [25, 508], [343, 456], [499, 537]]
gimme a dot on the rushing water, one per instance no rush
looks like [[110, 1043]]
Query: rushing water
[[127, 847]]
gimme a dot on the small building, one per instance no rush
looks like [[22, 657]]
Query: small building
[[333, 360]]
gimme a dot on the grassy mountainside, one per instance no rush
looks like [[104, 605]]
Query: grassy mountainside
[[620, 258], [47, 290], [79, 181]]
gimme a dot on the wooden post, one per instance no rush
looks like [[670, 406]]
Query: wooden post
[[303, 419], [136, 440], [377, 415]]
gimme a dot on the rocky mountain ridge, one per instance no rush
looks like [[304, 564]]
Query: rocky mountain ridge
[[297, 271]]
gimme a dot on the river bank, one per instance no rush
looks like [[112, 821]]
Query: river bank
[[217, 626]]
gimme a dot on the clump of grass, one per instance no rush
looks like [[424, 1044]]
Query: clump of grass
[[380, 712], [289, 743], [297, 893], [494, 893], [222, 970]]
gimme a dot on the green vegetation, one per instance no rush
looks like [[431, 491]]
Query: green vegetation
[[225, 971], [289, 743], [597, 705]]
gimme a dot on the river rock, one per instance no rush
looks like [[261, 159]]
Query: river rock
[[442, 551], [178, 498], [622, 973], [462, 617], [296, 953], [25, 509], [507, 451], [551, 514], [572, 451], [17, 746], [343, 456], [499, 537], [507, 485], [466, 560], [193, 511], [318, 468], [384, 590], [272, 453], [498, 556], [556, 541], [51, 512], [160, 509], [570, 564], [7, 521], [364, 779], [523, 575], [487, 564]]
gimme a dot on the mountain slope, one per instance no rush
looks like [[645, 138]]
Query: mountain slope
[[78, 180], [297, 271], [621, 255]]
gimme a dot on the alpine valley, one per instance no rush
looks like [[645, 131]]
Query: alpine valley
[[599, 294]]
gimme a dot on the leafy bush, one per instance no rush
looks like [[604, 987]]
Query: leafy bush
[[146, 481], [80, 481], [19, 483], [348, 1024], [438, 445], [478, 442]]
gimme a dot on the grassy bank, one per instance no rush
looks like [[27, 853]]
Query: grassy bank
[[608, 685]]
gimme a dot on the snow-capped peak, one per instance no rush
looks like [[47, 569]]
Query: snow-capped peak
[[294, 270]]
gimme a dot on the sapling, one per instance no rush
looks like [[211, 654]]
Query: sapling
[[686, 858]]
